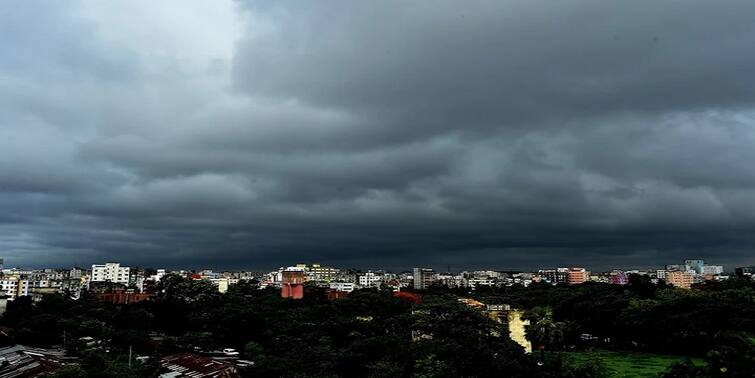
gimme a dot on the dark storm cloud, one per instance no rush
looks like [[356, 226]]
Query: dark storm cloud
[[506, 134], [436, 64]]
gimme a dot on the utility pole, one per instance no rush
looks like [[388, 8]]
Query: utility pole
[[129, 356]]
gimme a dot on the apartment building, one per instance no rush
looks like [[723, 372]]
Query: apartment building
[[554, 276], [370, 279], [316, 272], [343, 286], [577, 276], [110, 272], [423, 278], [14, 287], [679, 279]]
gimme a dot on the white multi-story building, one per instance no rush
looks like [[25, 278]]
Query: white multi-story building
[[14, 287], [75, 273], [521, 279], [482, 274], [477, 282], [343, 286], [450, 280], [159, 274], [209, 274], [136, 279], [223, 283], [110, 272], [274, 278], [370, 279], [43, 283], [661, 274], [713, 269]]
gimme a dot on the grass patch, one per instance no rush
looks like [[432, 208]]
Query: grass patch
[[629, 364]]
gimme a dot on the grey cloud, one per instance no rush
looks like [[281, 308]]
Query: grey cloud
[[502, 63]]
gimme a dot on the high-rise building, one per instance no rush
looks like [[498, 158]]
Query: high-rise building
[[423, 278], [578, 276], [317, 272], [110, 272]]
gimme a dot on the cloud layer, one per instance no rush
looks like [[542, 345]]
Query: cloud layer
[[506, 134]]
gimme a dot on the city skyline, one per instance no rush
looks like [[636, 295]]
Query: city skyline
[[688, 265], [511, 135], [118, 283]]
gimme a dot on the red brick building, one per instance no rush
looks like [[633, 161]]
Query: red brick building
[[122, 297]]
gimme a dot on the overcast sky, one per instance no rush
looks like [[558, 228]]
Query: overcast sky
[[499, 134]]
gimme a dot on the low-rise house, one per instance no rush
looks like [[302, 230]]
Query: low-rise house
[[195, 366], [21, 361], [119, 296]]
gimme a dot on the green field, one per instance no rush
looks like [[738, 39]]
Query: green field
[[628, 364]]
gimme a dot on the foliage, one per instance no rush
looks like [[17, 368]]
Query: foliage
[[543, 331], [104, 365], [625, 364], [371, 333]]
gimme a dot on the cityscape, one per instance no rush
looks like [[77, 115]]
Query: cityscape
[[377, 189], [135, 284], [112, 284]]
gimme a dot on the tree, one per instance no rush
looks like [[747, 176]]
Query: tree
[[543, 330], [253, 351], [175, 288], [641, 286]]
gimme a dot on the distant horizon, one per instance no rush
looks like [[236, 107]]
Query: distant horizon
[[436, 268]]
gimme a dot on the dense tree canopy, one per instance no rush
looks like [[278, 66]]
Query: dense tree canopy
[[372, 333]]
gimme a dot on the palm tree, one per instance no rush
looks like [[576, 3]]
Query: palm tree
[[543, 330]]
